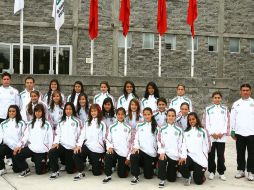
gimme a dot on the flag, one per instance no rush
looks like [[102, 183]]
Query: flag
[[18, 5], [58, 13], [93, 19], [124, 16], [162, 17], [192, 15]]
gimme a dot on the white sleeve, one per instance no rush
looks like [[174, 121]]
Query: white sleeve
[[160, 143], [233, 115], [109, 143], [227, 123], [1, 134], [184, 148], [82, 135], [57, 134], [25, 137], [206, 122], [17, 99], [136, 140], [50, 136]]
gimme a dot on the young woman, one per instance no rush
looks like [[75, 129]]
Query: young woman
[[105, 93], [35, 99], [67, 133], [82, 107], [108, 112], [11, 132], [160, 115], [216, 121], [91, 143], [144, 149], [182, 116], [39, 137], [56, 108], [134, 116], [129, 93], [169, 140], [77, 89], [194, 150], [118, 147], [53, 86], [150, 97]]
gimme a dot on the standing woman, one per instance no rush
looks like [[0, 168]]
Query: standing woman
[[129, 93], [11, 132], [134, 114], [53, 86], [56, 108], [67, 133], [195, 148], [108, 112], [91, 143], [82, 107], [77, 89], [38, 136], [105, 93], [150, 97], [160, 115], [144, 149], [182, 116]]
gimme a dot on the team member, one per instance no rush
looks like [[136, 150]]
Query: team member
[[78, 88], [105, 93], [82, 107], [179, 99], [160, 115], [134, 114], [53, 86], [242, 130], [8, 96], [150, 97], [108, 112], [182, 116]]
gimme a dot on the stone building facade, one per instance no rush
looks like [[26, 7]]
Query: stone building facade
[[225, 21]]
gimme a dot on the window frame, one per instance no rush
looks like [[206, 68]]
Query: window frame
[[174, 41], [143, 37], [216, 44], [239, 46]]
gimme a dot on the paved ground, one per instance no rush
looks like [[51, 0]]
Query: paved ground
[[12, 181]]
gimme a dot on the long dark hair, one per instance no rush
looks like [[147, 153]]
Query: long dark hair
[[74, 92], [198, 125], [156, 90], [39, 107], [73, 110], [52, 103], [50, 90], [87, 103], [18, 115], [30, 105], [112, 109], [135, 101], [99, 116], [133, 92], [106, 83], [153, 121]]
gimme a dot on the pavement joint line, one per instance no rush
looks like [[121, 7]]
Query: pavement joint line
[[9, 183]]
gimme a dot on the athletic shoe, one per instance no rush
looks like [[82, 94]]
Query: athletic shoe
[[62, 168], [162, 184], [79, 176], [250, 176], [25, 173], [187, 182], [90, 167], [106, 179], [2, 172], [179, 175], [239, 174], [223, 177], [9, 162], [134, 180], [211, 176], [54, 175]]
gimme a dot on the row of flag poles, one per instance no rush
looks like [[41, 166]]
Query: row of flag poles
[[124, 17]]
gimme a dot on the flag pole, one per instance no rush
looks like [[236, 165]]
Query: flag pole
[[57, 50], [21, 41], [159, 73], [192, 57], [125, 56], [92, 48]]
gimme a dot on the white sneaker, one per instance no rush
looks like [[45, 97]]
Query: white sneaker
[[187, 182], [62, 168], [250, 176], [223, 177], [211, 176], [179, 175], [239, 174], [9, 162], [2, 172]]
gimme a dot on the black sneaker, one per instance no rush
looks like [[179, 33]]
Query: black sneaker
[[25, 173], [54, 175], [106, 179], [162, 184], [79, 176], [134, 180]]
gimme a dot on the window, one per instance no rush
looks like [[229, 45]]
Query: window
[[234, 45], [41, 60], [170, 42], [252, 46], [5, 54], [189, 43], [212, 44], [64, 59], [148, 41], [121, 40], [26, 58]]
